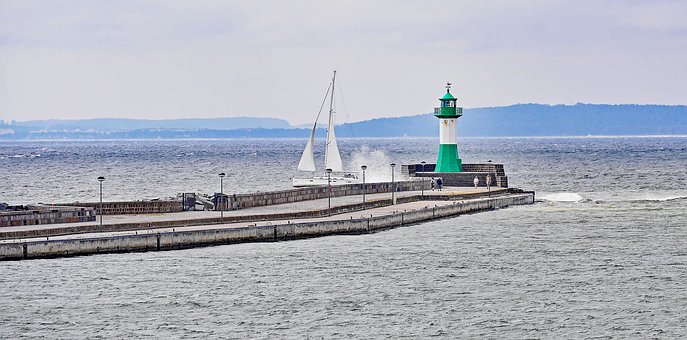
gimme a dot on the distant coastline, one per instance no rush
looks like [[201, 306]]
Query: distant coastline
[[521, 120], [344, 138]]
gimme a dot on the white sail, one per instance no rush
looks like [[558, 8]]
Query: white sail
[[332, 156], [307, 162]]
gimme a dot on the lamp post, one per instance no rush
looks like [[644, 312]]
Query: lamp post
[[393, 184], [364, 167], [221, 196], [329, 191], [101, 179], [423, 178]]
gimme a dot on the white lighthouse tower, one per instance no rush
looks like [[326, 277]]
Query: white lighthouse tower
[[448, 113]]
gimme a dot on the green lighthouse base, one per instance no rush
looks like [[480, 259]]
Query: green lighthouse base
[[448, 160]]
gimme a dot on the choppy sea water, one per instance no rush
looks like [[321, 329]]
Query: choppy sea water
[[602, 254]]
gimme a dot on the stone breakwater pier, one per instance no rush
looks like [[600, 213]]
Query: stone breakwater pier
[[265, 223]]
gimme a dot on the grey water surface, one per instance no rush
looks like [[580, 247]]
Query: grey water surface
[[602, 254]]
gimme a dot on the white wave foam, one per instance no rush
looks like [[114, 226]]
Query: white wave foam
[[378, 169], [656, 197], [563, 197], [26, 155]]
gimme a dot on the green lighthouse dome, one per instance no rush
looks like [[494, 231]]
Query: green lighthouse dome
[[448, 96], [448, 107]]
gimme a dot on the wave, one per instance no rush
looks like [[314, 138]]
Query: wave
[[26, 155], [562, 197], [658, 198], [577, 198]]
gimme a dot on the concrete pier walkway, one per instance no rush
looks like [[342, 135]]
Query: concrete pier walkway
[[207, 216], [435, 204]]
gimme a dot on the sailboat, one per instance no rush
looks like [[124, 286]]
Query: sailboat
[[332, 157]]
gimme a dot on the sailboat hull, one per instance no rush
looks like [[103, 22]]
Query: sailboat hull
[[323, 181]]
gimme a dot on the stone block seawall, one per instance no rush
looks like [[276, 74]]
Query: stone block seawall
[[267, 233], [461, 179], [46, 215], [133, 207], [258, 199]]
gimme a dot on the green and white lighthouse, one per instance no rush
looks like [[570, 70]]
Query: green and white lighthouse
[[448, 113]]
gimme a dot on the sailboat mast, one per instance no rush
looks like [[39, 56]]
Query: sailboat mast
[[330, 122], [331, 102], [332, 158]]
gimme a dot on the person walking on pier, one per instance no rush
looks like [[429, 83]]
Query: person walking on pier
[[476, 181], [432, 183], [439, 183]]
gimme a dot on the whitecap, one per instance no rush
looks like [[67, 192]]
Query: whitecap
[[562, 197], [658, 197]]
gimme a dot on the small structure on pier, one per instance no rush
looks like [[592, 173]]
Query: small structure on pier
[[464, 178]]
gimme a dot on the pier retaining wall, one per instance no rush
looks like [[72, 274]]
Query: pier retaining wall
[[46, 215], [133, 207], [240, 201]]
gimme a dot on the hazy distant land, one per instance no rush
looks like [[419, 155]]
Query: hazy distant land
[[514, 120]]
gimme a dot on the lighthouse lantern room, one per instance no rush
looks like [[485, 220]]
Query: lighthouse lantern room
[[448, 113]]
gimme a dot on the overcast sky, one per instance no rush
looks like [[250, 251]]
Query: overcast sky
[[181, 59]]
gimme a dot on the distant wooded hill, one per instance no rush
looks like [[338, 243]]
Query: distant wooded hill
[[514, 120], [536, 120]]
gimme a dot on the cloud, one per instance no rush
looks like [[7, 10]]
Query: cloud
[[162, 59]]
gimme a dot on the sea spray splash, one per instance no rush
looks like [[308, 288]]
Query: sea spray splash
[[378, 169]]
